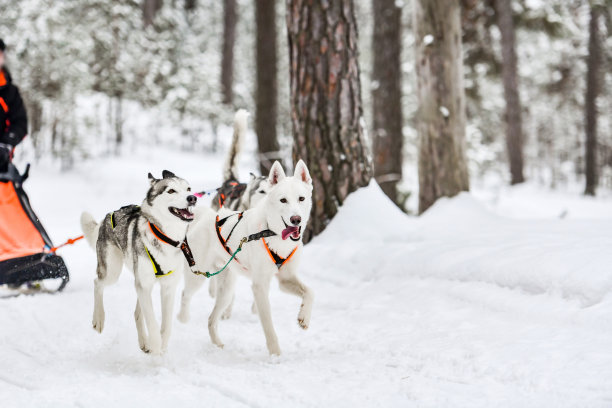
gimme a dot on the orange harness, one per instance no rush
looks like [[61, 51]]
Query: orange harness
[[278, 260]]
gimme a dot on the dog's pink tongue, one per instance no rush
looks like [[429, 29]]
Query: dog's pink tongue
[[290, 231]]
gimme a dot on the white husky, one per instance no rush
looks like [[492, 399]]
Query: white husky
[[150, 240], [274, 229]]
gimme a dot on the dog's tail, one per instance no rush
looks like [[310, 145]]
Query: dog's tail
[[90, 228], [230, 170]]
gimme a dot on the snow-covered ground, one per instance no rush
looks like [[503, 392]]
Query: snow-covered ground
[[488, 300]]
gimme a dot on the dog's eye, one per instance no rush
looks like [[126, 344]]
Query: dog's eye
[[261, 192], [283, 200], [171, 191], [188, 188], [301, 198]]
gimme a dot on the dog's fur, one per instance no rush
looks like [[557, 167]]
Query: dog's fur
[[232, 194], [126, 244], [254, 261]]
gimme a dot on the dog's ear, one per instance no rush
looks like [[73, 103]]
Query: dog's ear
[[253, 177], [301, 172], [167, 174], [151, 178], [276, 173]]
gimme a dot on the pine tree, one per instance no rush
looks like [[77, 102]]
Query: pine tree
[[441, 115], [387, 96], [326, 103], [266, 92]]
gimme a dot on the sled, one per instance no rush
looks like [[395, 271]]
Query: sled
[[27, 262]]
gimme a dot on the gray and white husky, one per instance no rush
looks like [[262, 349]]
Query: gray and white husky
[[150, 240], [281, 214], [233, 194]]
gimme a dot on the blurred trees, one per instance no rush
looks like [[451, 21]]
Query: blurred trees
[[230, 18], [513, 117], [92, 74], [326, 106], [441, 117], [265, 84], [590, 101], [387, 137]]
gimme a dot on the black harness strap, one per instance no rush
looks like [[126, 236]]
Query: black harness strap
[[163, 237]]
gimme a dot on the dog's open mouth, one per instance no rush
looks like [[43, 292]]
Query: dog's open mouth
[[292, 232], [184, 214]]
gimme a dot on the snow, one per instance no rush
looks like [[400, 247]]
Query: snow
[[486, 300]]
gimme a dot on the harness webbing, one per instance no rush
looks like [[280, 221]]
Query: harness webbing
[[184, 246], [278, 260]]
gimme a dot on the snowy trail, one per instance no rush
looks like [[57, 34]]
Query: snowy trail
[[458, 308]]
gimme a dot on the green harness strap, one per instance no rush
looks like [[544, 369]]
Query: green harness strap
[[209, 274]]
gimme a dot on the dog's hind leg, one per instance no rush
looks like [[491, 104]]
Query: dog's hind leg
[[289, 283], [110, 262], [168, 292], [140, 327], [192, 284], [227, 313], [225, 295], [261, 291]]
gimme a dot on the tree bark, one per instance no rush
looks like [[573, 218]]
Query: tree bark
[[149, 10], [387, 96], [514, 124], [230, 19], [266, 95], [441, 115], [590, 105], [191, 5], [326, 110]]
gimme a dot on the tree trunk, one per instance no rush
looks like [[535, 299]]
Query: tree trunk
[[266, 95], [590, 109], [514, 124], [441, 115], [118, 124], [326, 111], [191, 5], [149, 10], [227, 59], [387, 96]]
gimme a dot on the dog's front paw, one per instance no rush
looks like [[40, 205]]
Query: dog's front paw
[[98, 321], [274, 349], [155, 344], [183, 316], [303, 319]]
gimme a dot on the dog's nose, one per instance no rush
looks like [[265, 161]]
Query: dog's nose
[[191, 199], [295, 220]]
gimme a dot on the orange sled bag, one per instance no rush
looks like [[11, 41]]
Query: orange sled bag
[[25, 256]]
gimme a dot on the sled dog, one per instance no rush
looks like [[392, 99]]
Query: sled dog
[[150, 240], [232, 194], [274, 230]]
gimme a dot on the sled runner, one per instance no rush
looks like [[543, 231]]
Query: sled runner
[[27, 261]]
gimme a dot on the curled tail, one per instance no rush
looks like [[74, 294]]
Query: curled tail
[[90, 228], [230, 170]]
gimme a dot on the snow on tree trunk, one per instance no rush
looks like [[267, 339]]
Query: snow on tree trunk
[[590, 111], [441, 115], [514, 124], [326, 109], [227, 58], [266, 95], [386, 96]]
